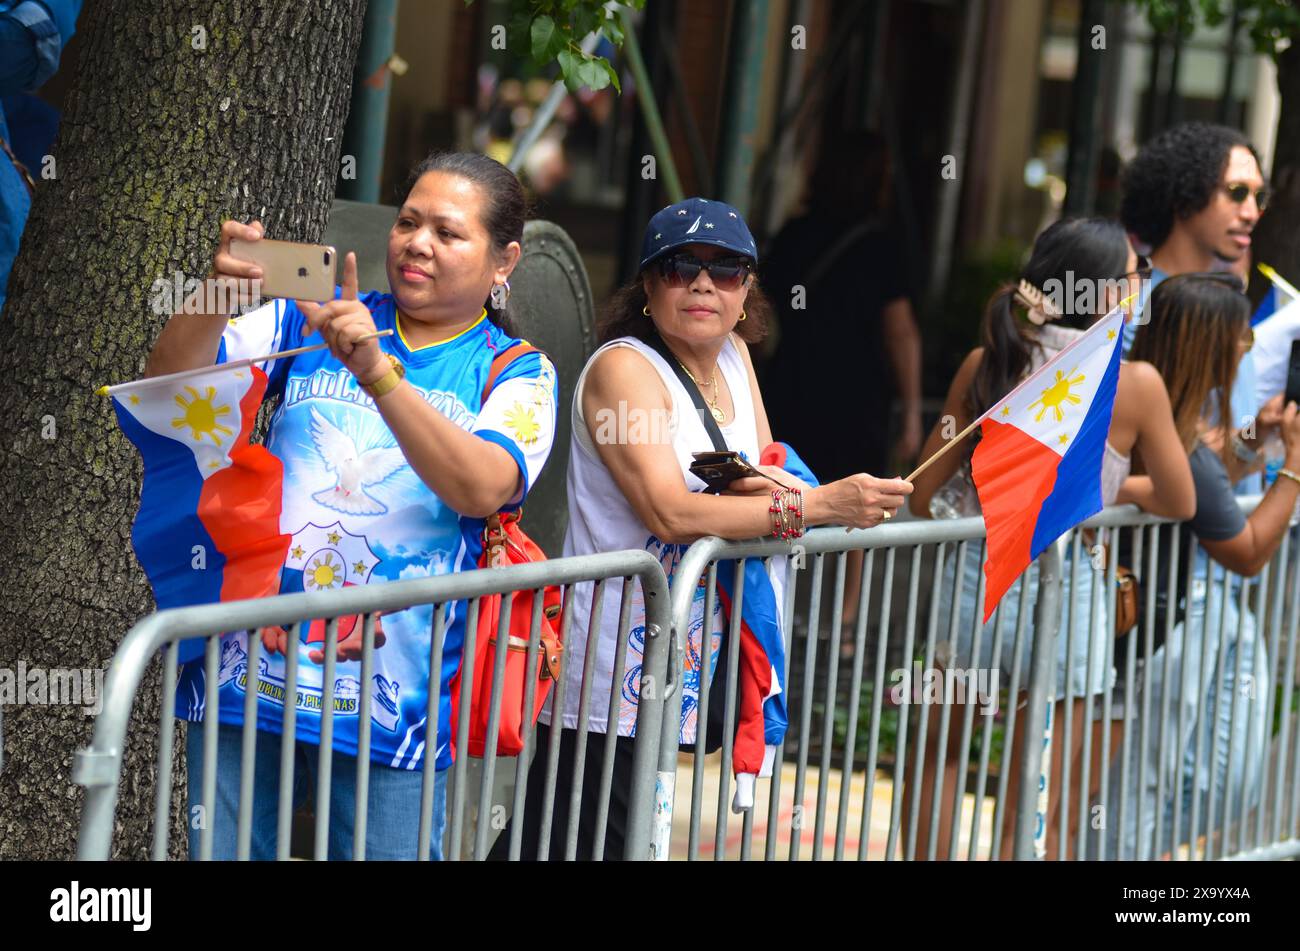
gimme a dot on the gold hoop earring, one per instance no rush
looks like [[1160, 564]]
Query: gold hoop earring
[[742, 315], [645, 311]]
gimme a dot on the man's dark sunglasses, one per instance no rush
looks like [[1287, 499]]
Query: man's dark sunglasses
[[1241, 191], [680, 270]]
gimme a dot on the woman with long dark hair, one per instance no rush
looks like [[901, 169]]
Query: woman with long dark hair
[[393, 458], [1198, 332], [1080, 269]]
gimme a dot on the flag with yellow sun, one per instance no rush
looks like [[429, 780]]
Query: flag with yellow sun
[[208, 528], [1037, 467]]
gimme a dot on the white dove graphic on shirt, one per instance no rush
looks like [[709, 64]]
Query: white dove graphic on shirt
[[354, 470]]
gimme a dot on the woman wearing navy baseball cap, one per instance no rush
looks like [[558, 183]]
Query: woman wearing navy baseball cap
[[674, 377]]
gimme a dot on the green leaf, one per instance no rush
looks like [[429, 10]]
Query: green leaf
[[586, 20], [613, 31], [568, 69], [613, 74], [592, 73], [543, 35]]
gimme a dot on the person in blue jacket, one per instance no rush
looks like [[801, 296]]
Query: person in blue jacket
[[32, 36]]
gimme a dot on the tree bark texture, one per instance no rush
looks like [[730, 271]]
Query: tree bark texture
[[184, 112]]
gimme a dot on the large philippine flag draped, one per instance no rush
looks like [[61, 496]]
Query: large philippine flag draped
[[208, 528], [1037, 468]]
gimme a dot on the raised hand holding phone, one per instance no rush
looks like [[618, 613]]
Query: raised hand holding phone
[[343, 323]]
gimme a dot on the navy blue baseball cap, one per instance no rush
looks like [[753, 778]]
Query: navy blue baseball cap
[[697, 221]]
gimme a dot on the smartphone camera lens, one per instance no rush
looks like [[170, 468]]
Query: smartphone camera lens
[[327, 258]]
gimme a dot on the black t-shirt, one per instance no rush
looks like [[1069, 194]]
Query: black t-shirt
[[828, 387]]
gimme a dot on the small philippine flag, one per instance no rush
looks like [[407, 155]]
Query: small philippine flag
[[1037, 468], [208, 528]]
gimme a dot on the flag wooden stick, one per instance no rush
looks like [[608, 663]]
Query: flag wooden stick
[[946, 446], [200, 371], [1277, 279]]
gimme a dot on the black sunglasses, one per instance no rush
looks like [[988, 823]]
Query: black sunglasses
[[680, 270], [1240, 192]]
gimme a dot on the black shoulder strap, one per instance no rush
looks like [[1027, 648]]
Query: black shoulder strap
[[692, 390]]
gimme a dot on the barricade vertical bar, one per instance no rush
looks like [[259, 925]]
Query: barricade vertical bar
[[1230, 792], [1198, 757], [918, 766], [326, 751], [1211, 812], [1103, 796], [855, 700], [968, 719], [1180, 750], [828, 717], [288, 744], [1130, 698], [1148, 673], [1163, 746], [1089, 672], [900, 755], [1067, 708], [611, 732], [1100, 596], [1047, 620], [432, 714], [166, 736], [774, 787], [986, 741], [729, 713], [1009, 738], [650, 819], [247, 750], [458, 791], [210, 724], [1288, 677], [877, 697], [361, 809], [702, 712], [805, 709], [502, 651], [557, 726], [529, 728], [584, 709], [1276, 590]]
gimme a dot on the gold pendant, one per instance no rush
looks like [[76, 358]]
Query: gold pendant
[[718, 414]]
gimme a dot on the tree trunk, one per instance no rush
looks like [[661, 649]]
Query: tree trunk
[[184, 112], [1276, 241]]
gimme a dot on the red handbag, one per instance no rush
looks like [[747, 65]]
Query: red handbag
[[504, 543]]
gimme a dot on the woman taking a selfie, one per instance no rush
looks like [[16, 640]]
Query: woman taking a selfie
[[675, 356], [393, 457]]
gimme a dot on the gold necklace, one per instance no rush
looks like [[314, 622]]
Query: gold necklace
[[718, 414]]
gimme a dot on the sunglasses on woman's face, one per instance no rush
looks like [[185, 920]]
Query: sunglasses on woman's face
[[681, 270], [1240, 191]]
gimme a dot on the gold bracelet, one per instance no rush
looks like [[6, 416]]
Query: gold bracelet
[[1289, 474]]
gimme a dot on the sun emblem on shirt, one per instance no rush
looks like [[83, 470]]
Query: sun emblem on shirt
[[1058, 394], [202, 418], [523, 425]]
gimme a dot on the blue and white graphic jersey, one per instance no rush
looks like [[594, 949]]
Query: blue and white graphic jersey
[[358, 514]]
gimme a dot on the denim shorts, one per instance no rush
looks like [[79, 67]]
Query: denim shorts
[[393, 819]]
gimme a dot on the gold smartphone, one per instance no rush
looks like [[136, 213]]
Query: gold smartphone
[[289, 269]]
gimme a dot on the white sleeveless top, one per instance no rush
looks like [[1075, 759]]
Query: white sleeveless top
[[601, 520]]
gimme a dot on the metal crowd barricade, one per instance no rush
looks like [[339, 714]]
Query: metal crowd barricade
[[99, 767], [901, 828], [1202, 707], [1209, 768]]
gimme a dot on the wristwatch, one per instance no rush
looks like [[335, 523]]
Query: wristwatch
[[388, 382], [1244, 452]]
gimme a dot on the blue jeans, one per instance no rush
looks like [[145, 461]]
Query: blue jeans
[[393, 819]]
